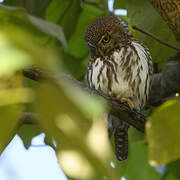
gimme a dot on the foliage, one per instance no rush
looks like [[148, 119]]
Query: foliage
[[168, 115], [50, 34], [138, 11]]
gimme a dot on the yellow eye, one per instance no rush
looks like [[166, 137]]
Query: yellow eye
[[106, 39]]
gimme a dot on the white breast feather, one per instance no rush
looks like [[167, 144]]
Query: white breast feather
[[122, 87]]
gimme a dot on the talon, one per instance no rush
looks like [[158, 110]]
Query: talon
[[118, 98], [127, 101]]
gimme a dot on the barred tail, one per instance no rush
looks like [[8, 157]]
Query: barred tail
[[121, 143]]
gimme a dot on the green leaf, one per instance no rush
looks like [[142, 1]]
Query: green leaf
[[49, 28], [143, 15], [73, 120], [10, 116], [34, 7], [68, 20], [56, 10], [12, 93], [18, 50], [10, 107], [137, 167], [173, 170], [77, 46], [73, 65], [27, 132], [119, 4], [25, 41], [62, 103], [31, 22], [77, 51], [163, 133], [170, 176], [12, 58]]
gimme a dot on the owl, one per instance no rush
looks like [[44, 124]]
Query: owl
[[119, 66]]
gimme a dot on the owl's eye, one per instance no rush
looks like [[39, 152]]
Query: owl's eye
[[106, 39]]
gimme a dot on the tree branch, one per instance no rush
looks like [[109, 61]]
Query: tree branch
[[120, 110], [165, 84], [156, 38]]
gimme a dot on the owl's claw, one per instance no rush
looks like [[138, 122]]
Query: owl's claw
[[127, 101]]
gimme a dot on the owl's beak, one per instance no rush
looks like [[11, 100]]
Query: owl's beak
[[100, 52]]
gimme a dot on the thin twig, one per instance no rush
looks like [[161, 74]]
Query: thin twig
[[156, 38]]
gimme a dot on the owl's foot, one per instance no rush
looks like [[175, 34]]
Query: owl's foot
[[127, 101]]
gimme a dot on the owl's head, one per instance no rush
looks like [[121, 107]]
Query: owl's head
[[105, 35]]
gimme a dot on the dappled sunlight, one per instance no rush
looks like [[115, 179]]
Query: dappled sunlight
[[164, 119], [153, 163], [15, 95], [66, 124], [15, 58], [75, 165], [97, 138]]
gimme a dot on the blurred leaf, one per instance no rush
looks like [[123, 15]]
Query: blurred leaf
[[12, 93], [73, 65], [137, 167], [72, 162], [13, 59], [10, 111], [70, 178], [69, 120], [144, 16], [10, 116], [27, 132], [18, 50], [16, 95], [27, 44], [62, 103], [135, 135], [48, 140], [173, 170], [28, 20], [170, 176], [119, 4], [49, 28], [163, 133], [34, 7]]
